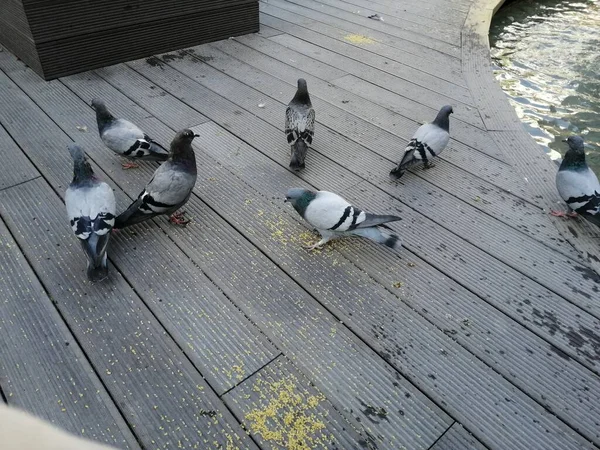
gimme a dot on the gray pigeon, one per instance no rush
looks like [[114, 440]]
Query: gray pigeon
[[299, 125], [334, 217], [125, 138], [91, 210], [430, 138], [170, 186], [577, 184]]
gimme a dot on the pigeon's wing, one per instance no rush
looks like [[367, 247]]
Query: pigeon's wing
[[578, 188], [129, 140], [168, 189], [329, 211], [310, 126], [433, 138], [91, 209], [290, 127]]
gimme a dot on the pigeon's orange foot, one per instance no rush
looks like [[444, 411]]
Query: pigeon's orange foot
[[129, 165], [570, 214], [179, 219]]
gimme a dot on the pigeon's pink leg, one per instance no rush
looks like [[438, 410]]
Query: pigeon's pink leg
[[129, 165], [570, 214], [178, 218]]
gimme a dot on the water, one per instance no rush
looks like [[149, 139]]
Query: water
[[547, 59]]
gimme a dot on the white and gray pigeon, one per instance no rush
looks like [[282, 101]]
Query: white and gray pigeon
[[170, 187], [428, 142], [299, 125], [91, 210], [334, 217], [577, 184], [125, 138]]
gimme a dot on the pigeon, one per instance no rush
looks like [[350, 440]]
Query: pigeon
[[125, 138], [334, 217], [428, 142], [170, 186], [91, 210], [299, 125], [577, 184]]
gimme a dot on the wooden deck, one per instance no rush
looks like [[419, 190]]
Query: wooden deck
[[483, 332]]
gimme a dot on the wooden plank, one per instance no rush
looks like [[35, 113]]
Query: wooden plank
[[399, 78], [281, 408], [213, 333], [159, 392], [450, 35], [457, 438], [382, 379], [349, 35], [42, 367], [380, 31], [21, 169]]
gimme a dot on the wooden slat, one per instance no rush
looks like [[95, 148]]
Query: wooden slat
[[345, 32], [281, 408], [21, 169], [214, 334], [157, 389], [356, 23], [42, 367], [457, 438]]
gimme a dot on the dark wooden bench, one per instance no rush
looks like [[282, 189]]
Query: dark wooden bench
[[61, 37]]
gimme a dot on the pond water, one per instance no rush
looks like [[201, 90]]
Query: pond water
[[547, 59]]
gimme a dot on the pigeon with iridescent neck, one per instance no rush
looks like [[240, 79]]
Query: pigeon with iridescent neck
[[427, 143], [334, 217], [577, 184]]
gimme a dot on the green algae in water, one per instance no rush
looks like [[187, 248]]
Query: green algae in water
[[547, 59]]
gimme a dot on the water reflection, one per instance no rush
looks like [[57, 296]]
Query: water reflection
[[547, 59]]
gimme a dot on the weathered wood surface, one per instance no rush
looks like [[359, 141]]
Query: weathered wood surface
[[488, 318]]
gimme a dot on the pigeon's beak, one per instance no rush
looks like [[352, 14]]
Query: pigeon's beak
[[564, 140], [196, 135], [285, 200]]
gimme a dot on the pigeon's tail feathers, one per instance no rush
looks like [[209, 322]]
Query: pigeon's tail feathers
[[131, 216], [397, 172], [157, 152], [299, 149], [99, 272], [381, 235], [372, 220], [95, 249]]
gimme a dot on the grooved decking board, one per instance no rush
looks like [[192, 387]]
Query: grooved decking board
[[448, 177], [456, 218], [457, 438], [445, 23], [281, 408], [214, 334], [342, 41], [374, 372], [448, 13], [42, 368], [21, 169], [159, 392], [380, 31]]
